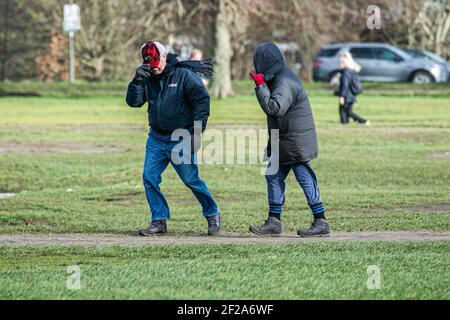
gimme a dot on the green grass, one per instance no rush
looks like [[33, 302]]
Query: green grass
[[89, 89], [383, 177], [303, 271], [374, 178]]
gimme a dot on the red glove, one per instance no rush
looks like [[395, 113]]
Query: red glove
[[258, 78]]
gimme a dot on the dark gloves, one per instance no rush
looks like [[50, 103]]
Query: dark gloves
[[142, 72], [258, 78]]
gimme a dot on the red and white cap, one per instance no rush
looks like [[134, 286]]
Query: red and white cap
[[151, 53]]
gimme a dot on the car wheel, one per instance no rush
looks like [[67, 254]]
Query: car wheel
[[422, 77], [335, 78]]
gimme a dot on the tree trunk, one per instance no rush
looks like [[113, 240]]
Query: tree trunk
[[221, 85], [97, 65], [5, 39]]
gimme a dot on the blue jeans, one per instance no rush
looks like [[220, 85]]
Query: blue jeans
[[307, 180], [157, 157]]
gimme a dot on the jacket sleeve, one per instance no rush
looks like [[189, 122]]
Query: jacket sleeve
[[344, 85], [136, 94], [198, 97], [277, 102]]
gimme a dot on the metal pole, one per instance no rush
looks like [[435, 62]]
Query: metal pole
[[5, 39], [72, 53], [72, 56]]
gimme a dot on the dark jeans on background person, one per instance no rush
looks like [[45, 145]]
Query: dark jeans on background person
[[346, 112], [307, 180], [158, 156]]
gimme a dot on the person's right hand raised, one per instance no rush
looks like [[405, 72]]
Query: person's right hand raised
[[142, 72], [258, 78]]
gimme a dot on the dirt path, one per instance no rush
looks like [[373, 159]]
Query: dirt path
[[111, 239]]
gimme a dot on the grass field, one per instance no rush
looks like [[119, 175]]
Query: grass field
[[74, 157]]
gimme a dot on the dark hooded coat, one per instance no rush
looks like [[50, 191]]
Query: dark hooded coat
[[284, 100], [344, 85]]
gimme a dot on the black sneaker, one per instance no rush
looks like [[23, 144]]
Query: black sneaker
[[319, 228], [214, 223], [272, 226], [156, 228]]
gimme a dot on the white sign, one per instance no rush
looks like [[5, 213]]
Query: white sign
[[71, 18]]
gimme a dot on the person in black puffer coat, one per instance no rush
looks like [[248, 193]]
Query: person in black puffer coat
[[282, 97]]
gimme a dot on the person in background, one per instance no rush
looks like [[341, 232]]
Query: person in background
[[197, 54], [347, 97]]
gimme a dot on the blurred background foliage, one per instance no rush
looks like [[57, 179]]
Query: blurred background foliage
[[34, 47]]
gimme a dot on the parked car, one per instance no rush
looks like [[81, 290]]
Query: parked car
[[380, 62], [424, 54]]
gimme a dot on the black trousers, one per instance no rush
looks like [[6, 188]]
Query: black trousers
[[346, 112]]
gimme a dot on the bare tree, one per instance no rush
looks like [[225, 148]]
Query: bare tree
[[4, 36], [434, 21], [17, 31], [114, 26], [113, 30], [232, 36], [109, 29], [423, 24], [221, 84]]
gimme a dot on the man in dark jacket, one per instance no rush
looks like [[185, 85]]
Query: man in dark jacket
[[282, 97], [176, 99]]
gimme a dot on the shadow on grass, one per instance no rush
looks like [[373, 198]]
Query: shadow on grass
[[6, 93]]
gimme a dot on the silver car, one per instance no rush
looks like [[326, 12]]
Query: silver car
[[380, 62], [428, 55]]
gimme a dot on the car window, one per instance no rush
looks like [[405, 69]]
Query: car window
[[415, 53], [385, 54], [422, 55], [328, 52], [434, 57], [361, 53]]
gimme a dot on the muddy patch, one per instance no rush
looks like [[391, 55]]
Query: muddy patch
[[408, 129], [441, 207], [29, 222], [107, 127], [222, 126], [38, 222], [115, 198], [441, 155], [411, 137], [406, 134], [72, 128], [389, 130], [422, 207], [124, 197], [67, 147]]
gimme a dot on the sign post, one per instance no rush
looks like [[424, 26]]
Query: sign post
[[71, 25]]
